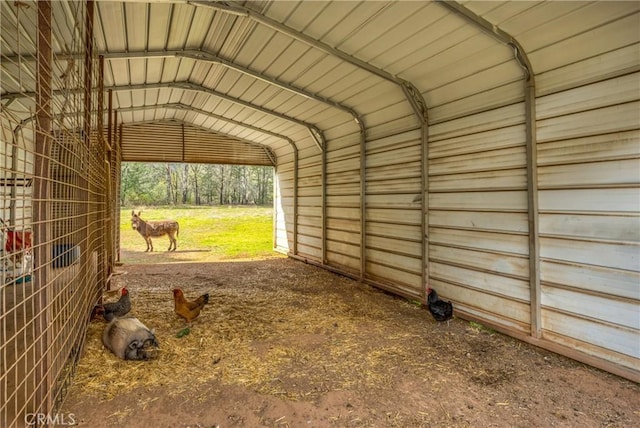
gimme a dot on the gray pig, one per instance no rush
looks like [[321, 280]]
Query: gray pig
[[129, 339]]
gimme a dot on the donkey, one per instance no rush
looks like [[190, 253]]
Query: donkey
[[155, 228]]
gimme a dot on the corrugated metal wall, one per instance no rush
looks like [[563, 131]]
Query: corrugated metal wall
[[478, 229], [343, 204], [285, 184], [15, 187], [478, 246], [173, 141], [589, 174], [477, 210], [586, 61], [310, 213], [394, 212]]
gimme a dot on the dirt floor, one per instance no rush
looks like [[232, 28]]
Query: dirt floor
[[286, 344]]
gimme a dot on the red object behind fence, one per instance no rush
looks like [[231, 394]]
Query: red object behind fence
[[17, 241]]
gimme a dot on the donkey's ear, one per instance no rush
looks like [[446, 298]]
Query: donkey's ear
[[133, 212]]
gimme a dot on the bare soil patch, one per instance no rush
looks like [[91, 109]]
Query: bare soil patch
[[286, 344]]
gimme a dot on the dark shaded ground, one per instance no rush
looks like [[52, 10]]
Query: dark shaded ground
[[285, 344]]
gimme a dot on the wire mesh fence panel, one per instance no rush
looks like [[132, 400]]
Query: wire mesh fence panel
[[57, 175]]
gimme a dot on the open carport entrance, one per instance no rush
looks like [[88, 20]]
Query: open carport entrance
[[224, 212]]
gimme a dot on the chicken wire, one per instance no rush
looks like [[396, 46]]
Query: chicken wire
[[57, 166]]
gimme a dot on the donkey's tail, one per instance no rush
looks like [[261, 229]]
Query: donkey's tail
[[177, 229]]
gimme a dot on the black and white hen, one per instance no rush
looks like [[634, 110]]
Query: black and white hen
[[441, 310]]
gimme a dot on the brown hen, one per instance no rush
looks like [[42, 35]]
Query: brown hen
[[189, 310]]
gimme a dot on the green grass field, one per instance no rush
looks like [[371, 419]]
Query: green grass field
[[206, 234]]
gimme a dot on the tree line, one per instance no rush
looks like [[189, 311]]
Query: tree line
[[195, 184]]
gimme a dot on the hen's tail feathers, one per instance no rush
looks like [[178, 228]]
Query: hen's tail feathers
[[98, 310], [203, 300]]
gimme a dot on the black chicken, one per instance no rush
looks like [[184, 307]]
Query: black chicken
[[441, 310], [116, 309]]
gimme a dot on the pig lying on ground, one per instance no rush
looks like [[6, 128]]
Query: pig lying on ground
[[129, 339]]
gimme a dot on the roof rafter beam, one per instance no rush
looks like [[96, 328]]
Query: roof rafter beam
[[412, 94], [203, 56], [315, 133], [200, 55], [495, 32]]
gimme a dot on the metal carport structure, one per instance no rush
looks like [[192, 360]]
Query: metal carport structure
[[487, 149]]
